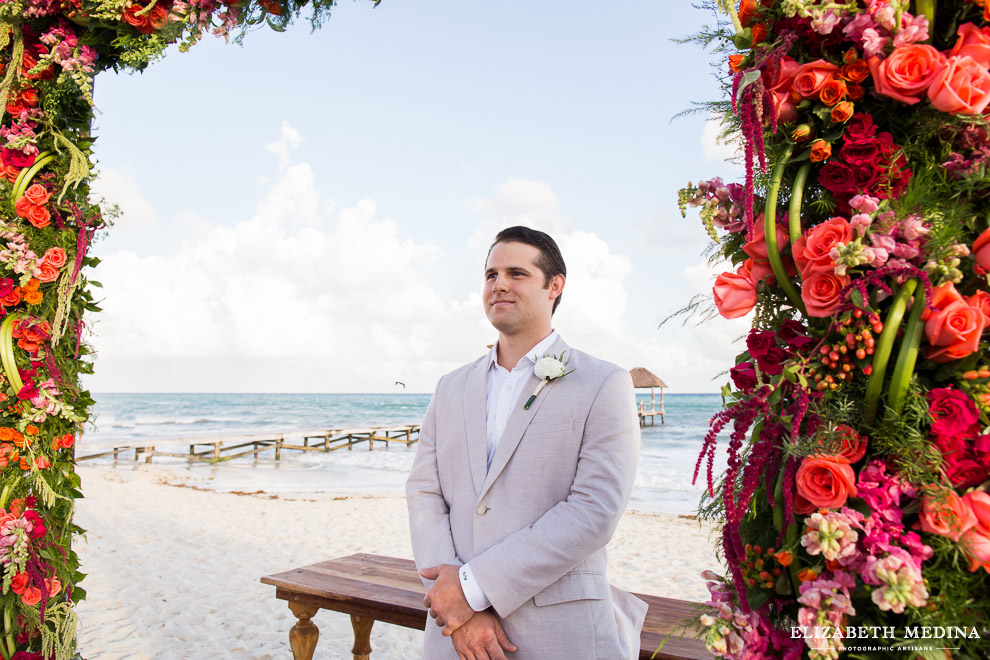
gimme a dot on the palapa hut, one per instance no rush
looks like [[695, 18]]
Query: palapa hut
[[644, 378]]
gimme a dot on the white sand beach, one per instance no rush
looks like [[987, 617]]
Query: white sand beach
[[173, 571]]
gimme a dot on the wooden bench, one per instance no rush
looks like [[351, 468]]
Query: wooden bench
[[374, 588]]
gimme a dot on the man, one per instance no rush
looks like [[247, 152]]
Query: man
[[512, 498]]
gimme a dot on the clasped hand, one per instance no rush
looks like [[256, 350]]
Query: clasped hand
[[475, 635]]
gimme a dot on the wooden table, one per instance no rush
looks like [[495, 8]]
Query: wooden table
[[375, 588]]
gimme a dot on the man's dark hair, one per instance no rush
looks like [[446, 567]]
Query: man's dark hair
[[550, 261]]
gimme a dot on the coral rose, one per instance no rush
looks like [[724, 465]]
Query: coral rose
[[954, 329], [31, 596], [55, 256], [975, 42], [735, 294], [22, 206], [778, 78], [976, 544], [853, 445], [981, 301], [811, 77], [946, 514], [821, 293], [37, 194], [962, 87], [824, 482], [49, 273], [757, 247], [907, 72], [812, 251], [981, 250], [39, 217]]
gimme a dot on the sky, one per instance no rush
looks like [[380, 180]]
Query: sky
[[310, 212]]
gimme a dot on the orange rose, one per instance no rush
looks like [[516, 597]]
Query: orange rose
[[735, 62], [31, 429], [31, 596], [39, 217], [759, 33], [6, 434], [49, 273], [855, 72], [823, 482], [19, 583], [855, 93], [11, 172], [820, 150], [842, 111], [811, 77], [747, 10], [962, 87], [975, 42], [33, 284], [23, 206], [36, 194], [55, 256], [981, 250], [944, 513], [68, 440], [832, 92], [29, 97], [735, 294], [907, 72], [821, 293], [954, 329], [15, 107], [33, 298]]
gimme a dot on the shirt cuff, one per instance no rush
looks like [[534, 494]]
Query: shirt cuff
[[472, 590]]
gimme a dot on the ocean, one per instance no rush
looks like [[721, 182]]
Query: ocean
[[663, 481]]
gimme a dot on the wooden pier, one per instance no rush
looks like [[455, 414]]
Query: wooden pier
[[224, 448]]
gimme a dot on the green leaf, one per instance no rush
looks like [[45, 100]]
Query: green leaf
[[856, 298], [757, 597], [748, 79]]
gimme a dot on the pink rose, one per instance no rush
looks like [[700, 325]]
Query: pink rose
[[962, 87], [55, 256], [757, 247], [954, 412], [975, 42], [735, 294], [907, 72], [778, 79]]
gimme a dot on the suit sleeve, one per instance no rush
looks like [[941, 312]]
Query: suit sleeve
[[534, 557], [429, 513]]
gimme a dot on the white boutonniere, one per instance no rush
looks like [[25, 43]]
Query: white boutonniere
[[548, 367]]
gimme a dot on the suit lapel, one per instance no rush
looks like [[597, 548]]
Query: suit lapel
[[475, 414], [519, 420]]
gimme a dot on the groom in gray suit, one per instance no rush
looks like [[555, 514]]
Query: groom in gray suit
[[513, 497]]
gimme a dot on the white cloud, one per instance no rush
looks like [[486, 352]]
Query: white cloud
[[714, 148], [290, 138], [120, 186]]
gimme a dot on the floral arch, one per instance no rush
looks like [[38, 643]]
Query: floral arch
[[50, 53]]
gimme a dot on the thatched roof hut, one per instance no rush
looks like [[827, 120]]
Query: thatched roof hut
[[644, 378]]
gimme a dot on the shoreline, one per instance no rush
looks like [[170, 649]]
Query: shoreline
[[174, 568]]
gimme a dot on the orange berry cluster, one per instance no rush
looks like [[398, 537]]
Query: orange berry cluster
[[757, 569], [976, 382], [838, 361]]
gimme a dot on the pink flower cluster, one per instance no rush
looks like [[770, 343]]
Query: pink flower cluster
[[735, 635], [875, 28], [826, 604], [66, 51]]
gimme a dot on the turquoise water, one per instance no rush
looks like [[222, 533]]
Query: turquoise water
[[663, 481]]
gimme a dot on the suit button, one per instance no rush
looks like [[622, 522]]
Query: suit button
[[481, 510]]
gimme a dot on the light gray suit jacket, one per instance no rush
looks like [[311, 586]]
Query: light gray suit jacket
[[535, 525]]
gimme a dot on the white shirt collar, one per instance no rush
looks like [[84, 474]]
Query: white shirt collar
[[540, 349]]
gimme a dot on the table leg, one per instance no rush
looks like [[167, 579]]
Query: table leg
[[362, 636], [305, 634]]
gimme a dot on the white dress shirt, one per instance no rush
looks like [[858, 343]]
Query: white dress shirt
[[504, 393]]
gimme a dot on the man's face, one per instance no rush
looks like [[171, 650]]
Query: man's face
[[513, 293]]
